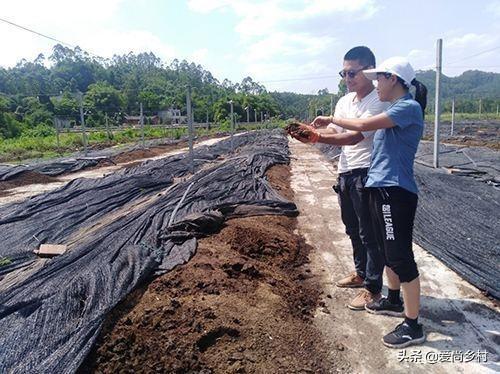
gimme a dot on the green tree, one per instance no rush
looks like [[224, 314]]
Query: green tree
[[65, 105], [342, 88], [103, 97]]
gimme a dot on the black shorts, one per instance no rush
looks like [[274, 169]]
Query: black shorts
[[393, 212]]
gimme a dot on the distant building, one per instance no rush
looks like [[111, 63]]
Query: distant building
[[136, 120], [171, 116]]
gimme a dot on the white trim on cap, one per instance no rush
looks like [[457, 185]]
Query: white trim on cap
[[398, 66]]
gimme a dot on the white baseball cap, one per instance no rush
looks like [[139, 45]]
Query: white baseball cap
[[395, 65]]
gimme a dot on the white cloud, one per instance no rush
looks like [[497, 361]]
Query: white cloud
[[363, 8], [262, 17], [106, 42], [288, 38], [309, 75], [22, 45], [471, 51], [60, 13], [284, 46], [199, 56], [494, 8], [91, 25], [472, 40], [461, 52], [207, 6], [420, 59]]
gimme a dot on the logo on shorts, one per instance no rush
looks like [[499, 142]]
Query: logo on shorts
[[389, 227]]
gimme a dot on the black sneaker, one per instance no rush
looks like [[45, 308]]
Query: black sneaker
[[384, 306], [404, 335]]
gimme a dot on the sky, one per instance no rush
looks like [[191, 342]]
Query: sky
[[292, 45]]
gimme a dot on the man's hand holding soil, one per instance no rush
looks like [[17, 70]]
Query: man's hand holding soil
[[303, 132]]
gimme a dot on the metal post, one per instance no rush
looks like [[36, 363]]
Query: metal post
[[452, 115], [107, 127], [232, 124], [141, 121], [190, 129], [82, 120], [56, 125], [437, 107]]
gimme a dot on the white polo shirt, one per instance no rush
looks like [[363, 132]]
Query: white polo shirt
[[358, 155]]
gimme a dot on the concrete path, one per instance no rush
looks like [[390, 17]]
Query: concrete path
[[462, 326]]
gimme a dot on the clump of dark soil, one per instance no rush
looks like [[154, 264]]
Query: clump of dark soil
[[298, 130], [23, 179]]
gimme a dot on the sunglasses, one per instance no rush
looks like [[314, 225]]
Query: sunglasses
[[385, 75], [351, 73]]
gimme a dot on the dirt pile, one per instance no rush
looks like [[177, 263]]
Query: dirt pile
[[243, 303], [33, 177], [480, 133], [23, 179]]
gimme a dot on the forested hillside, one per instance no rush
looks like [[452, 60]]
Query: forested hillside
[[33, 92]]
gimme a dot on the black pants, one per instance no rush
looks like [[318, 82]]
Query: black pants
[[393, 213], [353, 201]]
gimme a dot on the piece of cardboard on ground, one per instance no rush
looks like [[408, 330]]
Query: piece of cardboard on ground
[[51, 250]]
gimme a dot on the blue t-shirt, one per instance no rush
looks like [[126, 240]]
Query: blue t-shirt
[[394, 148]]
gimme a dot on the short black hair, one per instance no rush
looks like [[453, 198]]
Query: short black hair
[[362, 54]]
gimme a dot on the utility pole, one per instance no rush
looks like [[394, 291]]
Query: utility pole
[[255, 115], [107, 127], [437, 108], [56, 125], [452, 115], [480, 108], [248, 113], [141, 121], [82, 120], [190, 129], [232, 125]]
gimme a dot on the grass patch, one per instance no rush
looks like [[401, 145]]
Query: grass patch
[[44, 147], [4, 261]]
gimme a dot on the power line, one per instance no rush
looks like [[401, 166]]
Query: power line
[[472, 67], [46, 36], [298, 79], [476, 54]]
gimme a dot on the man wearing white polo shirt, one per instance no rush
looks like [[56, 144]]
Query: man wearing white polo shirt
[[362, 101]]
